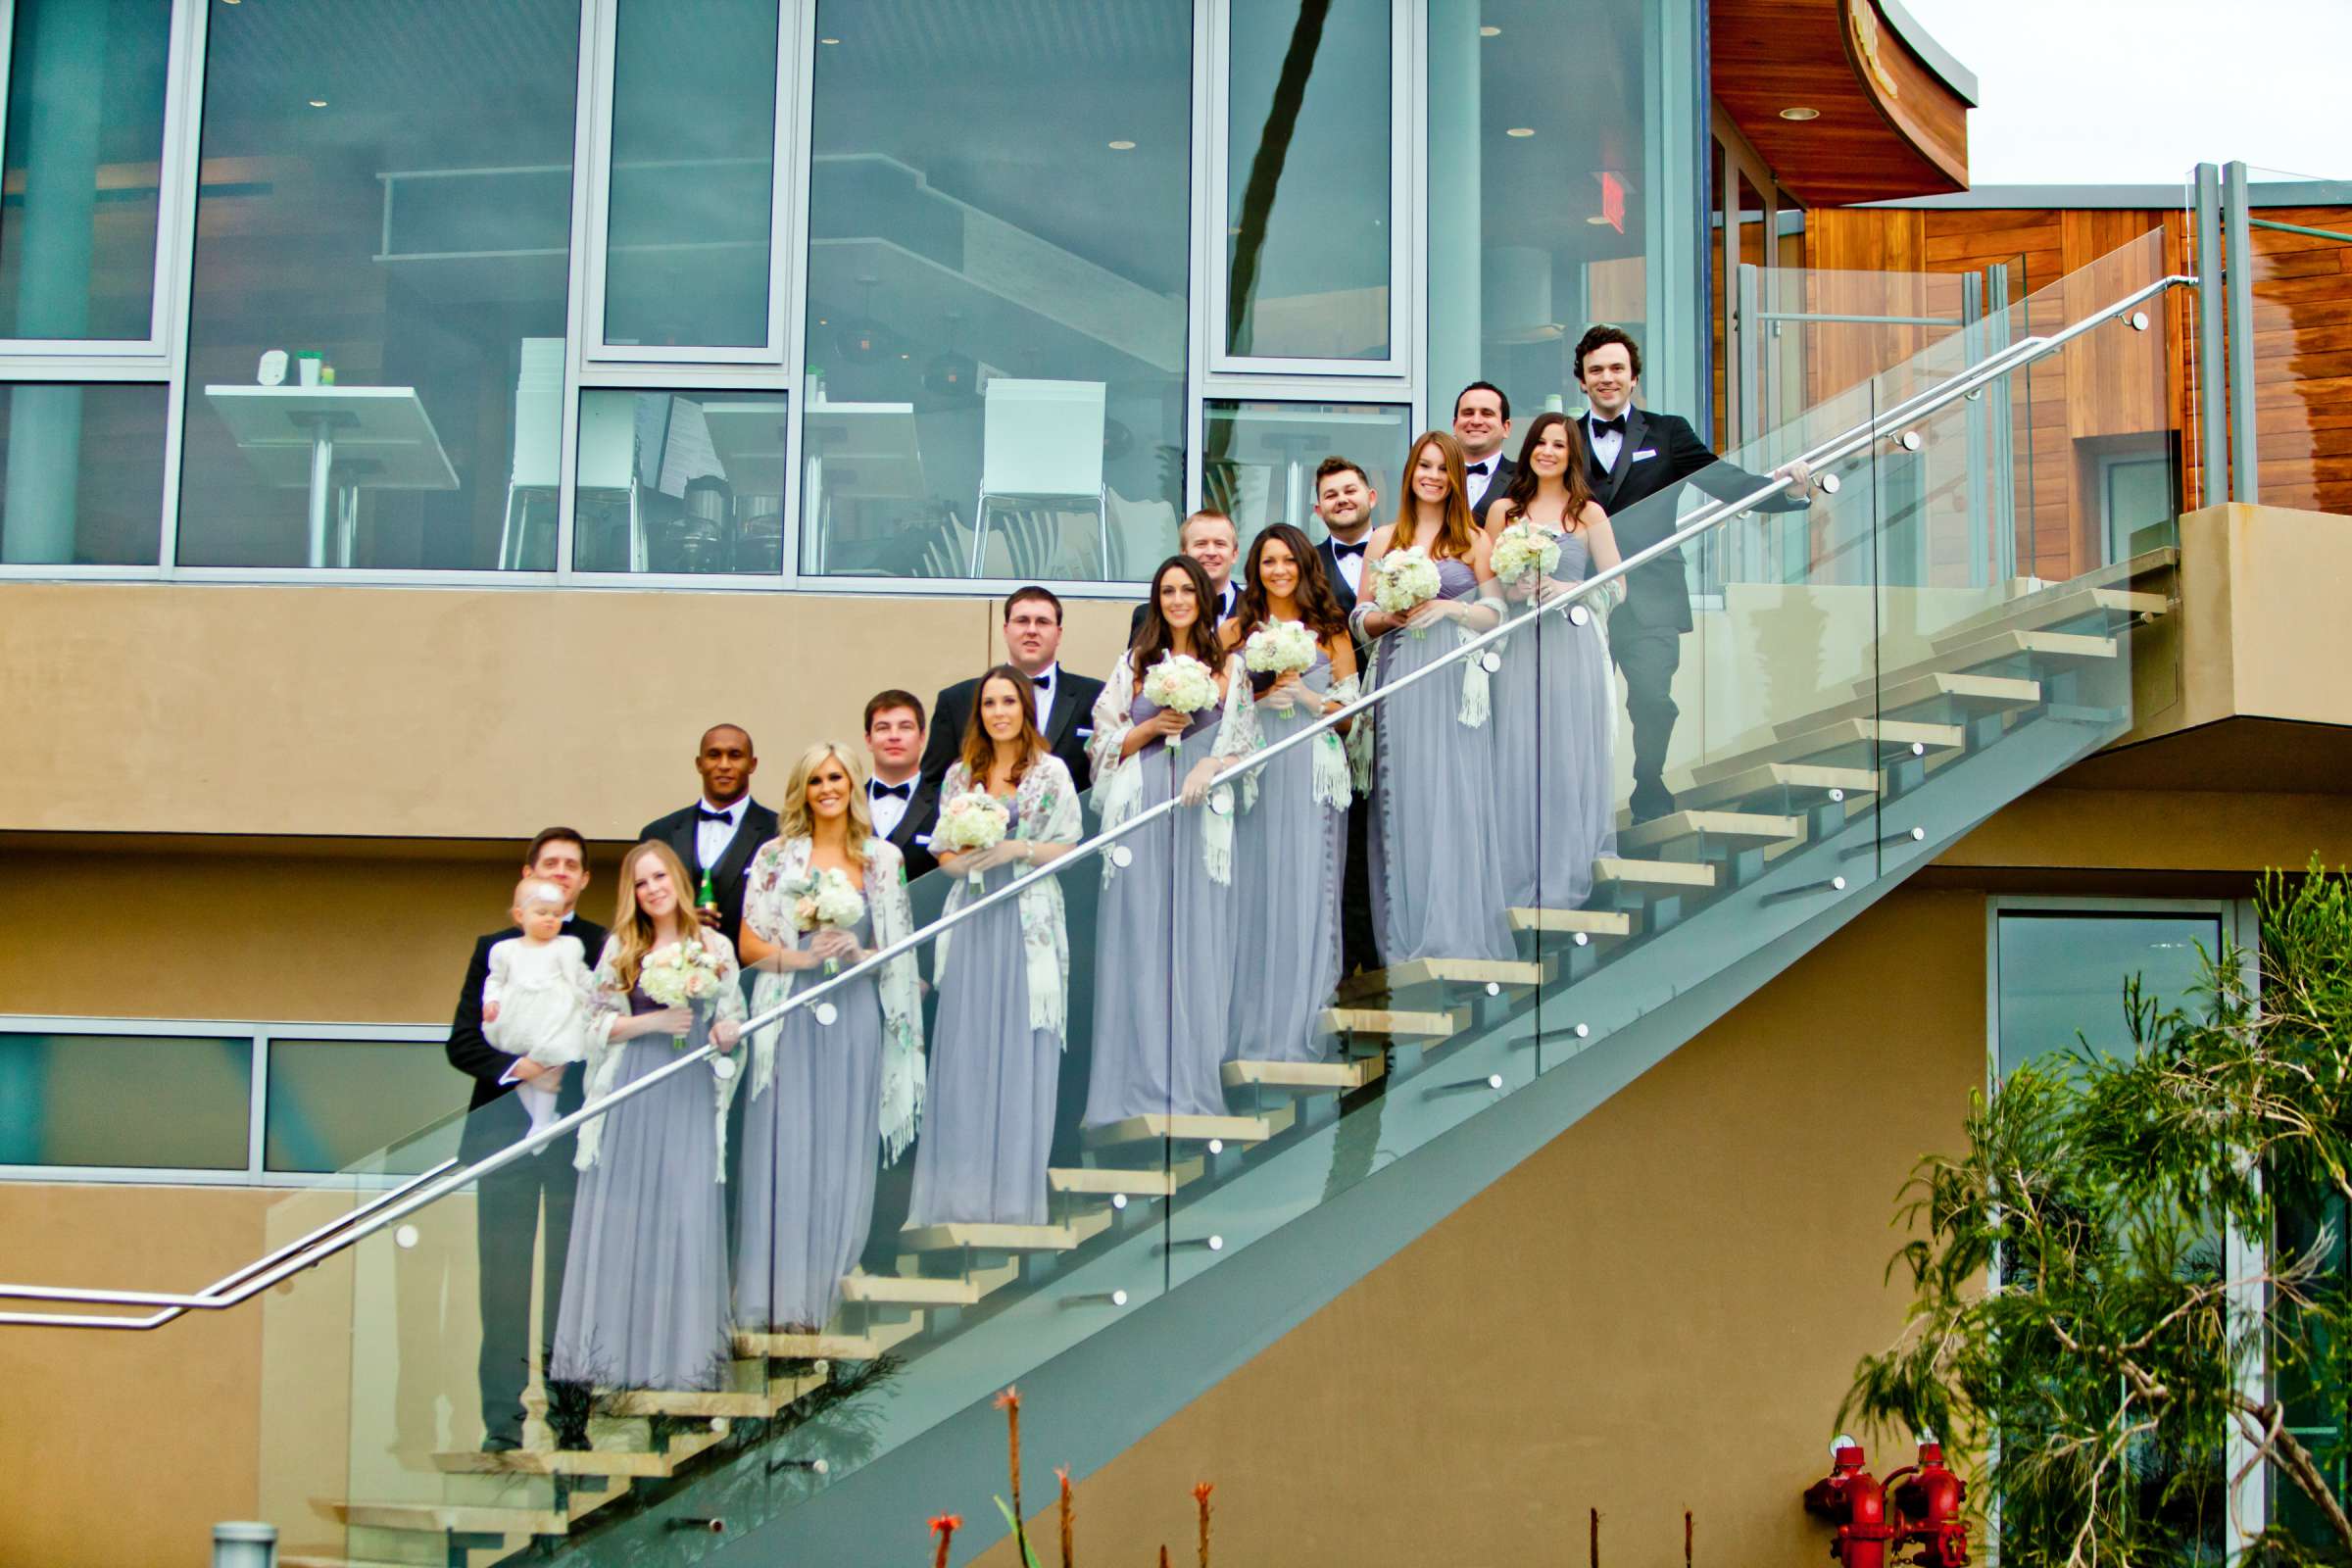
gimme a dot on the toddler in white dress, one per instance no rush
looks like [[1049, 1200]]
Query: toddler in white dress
[[535, 1003]]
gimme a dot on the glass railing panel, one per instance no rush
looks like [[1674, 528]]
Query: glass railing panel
[[2299, 233]]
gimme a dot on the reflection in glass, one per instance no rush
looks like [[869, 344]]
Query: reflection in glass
[[1557, 173], [85, 132], [329, 1103], [81, 474], [1306, 180], [1258, 460], [996, 328], [387, 198], [2064, 973], [149, 1101], [694, 128], [679, 482]]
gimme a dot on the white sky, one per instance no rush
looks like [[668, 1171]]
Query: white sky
[[2113, 92]]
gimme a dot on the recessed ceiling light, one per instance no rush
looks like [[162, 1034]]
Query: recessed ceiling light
[[1122, 146], [318, 103], [829, 40], [1520, 130], [1800, 114], [1490, 32]]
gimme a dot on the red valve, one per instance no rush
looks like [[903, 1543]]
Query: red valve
[[1849, 1498]]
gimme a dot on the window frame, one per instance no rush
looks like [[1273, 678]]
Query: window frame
[[1213, 147], [254, 1172]]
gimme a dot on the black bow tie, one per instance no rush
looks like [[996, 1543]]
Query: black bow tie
[[704, 813], [1356, 549], [878, 789], [1477, 467], [1040, 681], [1601, 427]]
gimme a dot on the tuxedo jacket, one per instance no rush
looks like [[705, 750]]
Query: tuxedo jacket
[[1135, 623], [1327, 553], [470, 1052], [1069, 725], [1659, 453], [734, 866], [1504, 468], [912, 836]]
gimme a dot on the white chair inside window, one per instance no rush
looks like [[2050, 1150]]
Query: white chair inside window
[[609, 463], [536, 485], [1041, 447]]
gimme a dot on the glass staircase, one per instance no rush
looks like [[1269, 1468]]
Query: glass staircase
[[1864, 685]]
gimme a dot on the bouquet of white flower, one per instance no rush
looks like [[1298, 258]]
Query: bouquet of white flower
[[1524, 551], [827, 899], [685, 974], [1280, 648], [1182, 683], [972, 820], [1406, 580]]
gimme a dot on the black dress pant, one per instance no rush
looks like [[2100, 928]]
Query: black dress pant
[[1648, 656], [1359, 943], [508, 1209]]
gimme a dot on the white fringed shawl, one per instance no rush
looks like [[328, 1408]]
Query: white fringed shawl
[[1047, 803], [1120, 784], [1475, 707], [610, 1005], [1332, 783], [777, 873]]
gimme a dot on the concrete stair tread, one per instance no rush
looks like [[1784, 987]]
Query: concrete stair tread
[[1652, 876], [1306, 1077], [1802, 780], [1822, 735], [1425, 972], [1398, 1023], [918, 1290], [555, 1462], [1741, 829], [1181, 1129], [1976, 693], [732, 1403], [824, 1347], [2055, 607], [1159, 1180], [1601, 924], [2045, 646], [471, 1519]]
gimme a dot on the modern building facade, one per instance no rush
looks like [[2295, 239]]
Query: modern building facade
[[422, 419]]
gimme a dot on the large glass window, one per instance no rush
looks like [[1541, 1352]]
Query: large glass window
[[998, 277], [333, 1104], [1563, 168], [386, 198], [1258, 460], [145, 1102], [1307, 179], [694, 139], [678, 482], [81, 474], [86, 134], [2062, 975]]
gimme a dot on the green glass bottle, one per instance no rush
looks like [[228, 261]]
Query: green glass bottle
[[707, 898]]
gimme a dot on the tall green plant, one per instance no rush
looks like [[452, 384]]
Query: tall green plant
[[2077, 1322]]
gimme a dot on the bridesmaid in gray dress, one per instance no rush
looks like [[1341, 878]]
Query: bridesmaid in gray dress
[[1554, 710], [1164, 936], [1435, 870], [1293, 841], [1003, 979], [830, 1099], [645, 1291]]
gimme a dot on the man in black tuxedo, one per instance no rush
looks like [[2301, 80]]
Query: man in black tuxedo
[[1345, 502], [721, 832], [509, 1204], [905, 804], [1065, 702], [1635, 455], [1208, 537], [1482, 423]]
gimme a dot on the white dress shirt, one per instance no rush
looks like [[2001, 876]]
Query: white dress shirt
[[888, 806], [1042, 687], [1352, 569], [710, 838], [1481, 474], [1604, 445]]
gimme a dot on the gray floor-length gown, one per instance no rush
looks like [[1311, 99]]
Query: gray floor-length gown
[[645, 1286], [988, 1122], [812, 1149], [1163, 955], [1287, 857], [1436, 873], [1555, 751]]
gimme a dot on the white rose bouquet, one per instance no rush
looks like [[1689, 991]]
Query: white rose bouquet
[[1280, 648], [1406, 580], [827, 899], [1182, 683], [972, 820], [683, 975], [1525, 551]]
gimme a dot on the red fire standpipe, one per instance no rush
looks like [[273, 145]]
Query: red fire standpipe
[[1851, 1499], [1928, 1510]]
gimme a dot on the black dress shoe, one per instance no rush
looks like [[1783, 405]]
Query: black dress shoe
[[501, 1442]]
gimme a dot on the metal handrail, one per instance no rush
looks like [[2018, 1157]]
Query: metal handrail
[[441, 1181]]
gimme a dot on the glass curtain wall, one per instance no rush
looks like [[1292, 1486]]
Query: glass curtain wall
[[999, 227], [381, 273], [1307, 179], [81, 474], [1564, 151]]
